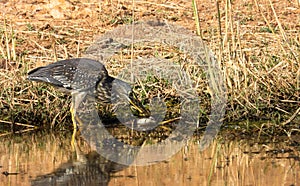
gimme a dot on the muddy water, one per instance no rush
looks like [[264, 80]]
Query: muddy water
[[39, 158]]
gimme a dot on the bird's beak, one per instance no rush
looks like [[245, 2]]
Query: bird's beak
[[135, 104]]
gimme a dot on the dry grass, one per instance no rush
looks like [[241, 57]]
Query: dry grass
[[257, 45]]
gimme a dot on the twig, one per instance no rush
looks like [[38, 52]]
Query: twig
[[20, 124], [17, 132], [291, 118]]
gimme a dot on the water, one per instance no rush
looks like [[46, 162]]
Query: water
[[43, 158]]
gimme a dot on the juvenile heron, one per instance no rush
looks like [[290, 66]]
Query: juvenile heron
[[80, 77]]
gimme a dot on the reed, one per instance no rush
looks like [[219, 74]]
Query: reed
[[256, 43]]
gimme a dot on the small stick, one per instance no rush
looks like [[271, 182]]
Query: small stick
[[291, 118], [20, 124]]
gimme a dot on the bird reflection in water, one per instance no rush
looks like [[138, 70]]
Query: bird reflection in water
[[87, 169]]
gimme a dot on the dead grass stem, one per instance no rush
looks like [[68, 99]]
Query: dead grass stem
[[257, 45]]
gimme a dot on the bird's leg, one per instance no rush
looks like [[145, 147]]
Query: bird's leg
[[73, 115], [77, 98]]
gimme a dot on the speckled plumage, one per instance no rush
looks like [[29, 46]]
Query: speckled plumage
[[82, 77], [79, 75]]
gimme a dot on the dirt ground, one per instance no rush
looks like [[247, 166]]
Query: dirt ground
[[68, 27]]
